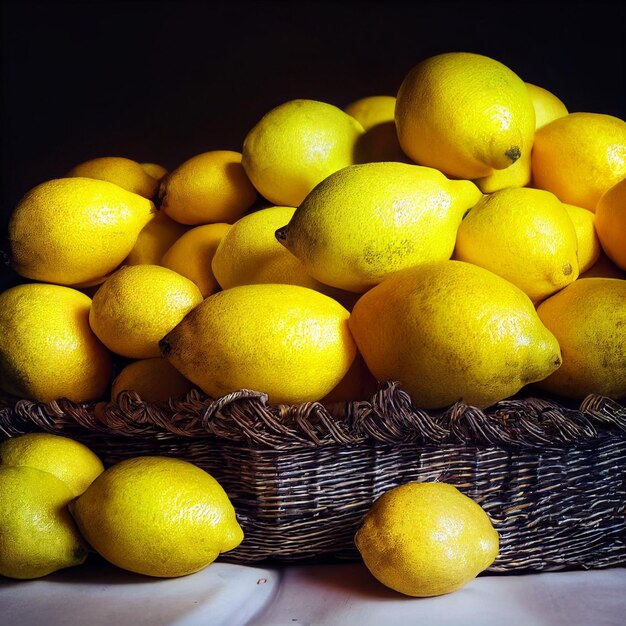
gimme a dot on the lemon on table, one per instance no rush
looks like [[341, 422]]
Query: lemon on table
[[588, 318], [290, 342], [452, 331], [295, 146], [207, 188], [192, 254], [524, 235], [368, 221], [37, 533], [126, 173], [139, 304], [157, 516], [154, 240], [70, 461], [73, 230], [611, 223], [580, 156], [589, 248], [426, 539], [547, 106], [464, 114], [47, 348], [155, 380]]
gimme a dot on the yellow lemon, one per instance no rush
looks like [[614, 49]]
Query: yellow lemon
[[138, 305], [464, 114], [588, 243], [154, 240], [157, 516], [517, 175], [611, 223], [295, 146], [192, 255], [71, 230], [426, 539], [207, 188], [288, 341], [126, 173], [70, 461], [524, 235], [372, 110], [47, 349], [155, 380], [368, 221], [380, 141], [451, 331], [588, 318], [547, 106], [38, 535], [155, 170], [580, 156], [250, 254]]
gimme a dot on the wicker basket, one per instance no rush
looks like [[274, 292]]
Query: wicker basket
[[551, 477]]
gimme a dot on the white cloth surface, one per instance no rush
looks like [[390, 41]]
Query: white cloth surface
[[306, 595]]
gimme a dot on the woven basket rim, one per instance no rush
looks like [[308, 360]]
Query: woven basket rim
[[388, 416]]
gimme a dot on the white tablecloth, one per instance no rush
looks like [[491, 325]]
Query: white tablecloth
[[299, 595]]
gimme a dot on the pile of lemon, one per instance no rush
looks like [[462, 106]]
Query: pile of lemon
[[466, 238]]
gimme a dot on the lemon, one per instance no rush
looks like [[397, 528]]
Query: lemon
[[47, 349], [192, 254], [372, 110], [126, 173], [295, 146], [464, 114], [588, 318], [588, 243], [138, 305], [524, 235], [368, 221], [547, 106], [290, 342], [380, 141], [71, 230], [157, 516], [37, 533], [452, 331], [426, 539], [250, 254], [517, 175], [154, 240], [155, 380], [207, 188], [611, 223], [155, 170], [580, 156], [70, 461]]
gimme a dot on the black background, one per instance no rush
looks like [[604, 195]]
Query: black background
[[163, 81]]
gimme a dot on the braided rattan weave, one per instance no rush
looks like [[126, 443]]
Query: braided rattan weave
[[552, 478]]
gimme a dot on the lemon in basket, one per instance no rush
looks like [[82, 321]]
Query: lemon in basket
[[70, 461], [157, 516], [426, 539], [451, 331], [47, 349], [288, 341], [37, 533]]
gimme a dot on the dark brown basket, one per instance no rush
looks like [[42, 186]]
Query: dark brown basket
[[552, 478]]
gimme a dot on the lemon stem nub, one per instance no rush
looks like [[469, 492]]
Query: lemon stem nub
[[513, 153], [281, 234]]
